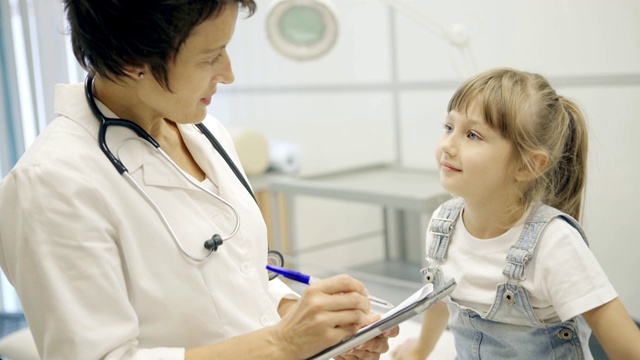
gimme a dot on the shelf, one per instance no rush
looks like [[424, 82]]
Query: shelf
[[389, 186]]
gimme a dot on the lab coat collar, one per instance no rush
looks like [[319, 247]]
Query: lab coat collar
[[201, 149], [159, 172], [70, 102], [125, 144]]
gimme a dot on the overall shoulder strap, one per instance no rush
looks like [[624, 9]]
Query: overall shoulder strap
[[441, 227], [520, 253]]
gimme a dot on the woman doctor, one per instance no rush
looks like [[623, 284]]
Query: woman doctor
[[111, 266]]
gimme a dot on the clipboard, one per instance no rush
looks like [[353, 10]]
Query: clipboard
[[415, 304]]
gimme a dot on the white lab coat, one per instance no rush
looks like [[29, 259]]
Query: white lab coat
[[96, 270]]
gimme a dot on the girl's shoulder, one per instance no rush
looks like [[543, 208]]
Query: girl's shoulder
[[566, 273], [548, 216], [559, 230]]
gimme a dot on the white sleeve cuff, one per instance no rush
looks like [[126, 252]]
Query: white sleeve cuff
[[279, 290]]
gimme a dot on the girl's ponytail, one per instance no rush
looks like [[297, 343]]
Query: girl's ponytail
[[568, 178]]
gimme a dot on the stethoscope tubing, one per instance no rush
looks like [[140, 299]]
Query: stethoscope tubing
[[148, 140], [165, 222]]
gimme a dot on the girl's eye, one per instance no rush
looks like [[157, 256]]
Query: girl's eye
[[448, 128], [474, 136]]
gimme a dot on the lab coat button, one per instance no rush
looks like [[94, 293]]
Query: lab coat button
[[265, 320], [245, 268]]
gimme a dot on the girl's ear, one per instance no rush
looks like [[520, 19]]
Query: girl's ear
[[538, 162]]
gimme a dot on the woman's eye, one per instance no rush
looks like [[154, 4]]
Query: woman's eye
[[214, 60]]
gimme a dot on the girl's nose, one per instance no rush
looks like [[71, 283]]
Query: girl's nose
[[448, 144]]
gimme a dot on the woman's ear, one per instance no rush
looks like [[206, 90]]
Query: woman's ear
[[538, 161], [136, 72]]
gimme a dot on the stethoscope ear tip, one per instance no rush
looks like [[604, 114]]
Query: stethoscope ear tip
[[213, 243]]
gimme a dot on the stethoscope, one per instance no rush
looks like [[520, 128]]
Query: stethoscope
[[212, 244]]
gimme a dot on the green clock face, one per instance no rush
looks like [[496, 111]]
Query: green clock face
[[302, 26]]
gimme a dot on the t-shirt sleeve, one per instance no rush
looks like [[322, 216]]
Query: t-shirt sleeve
[[567, 272]]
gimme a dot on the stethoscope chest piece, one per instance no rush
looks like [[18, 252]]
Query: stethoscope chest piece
[[274, 258]]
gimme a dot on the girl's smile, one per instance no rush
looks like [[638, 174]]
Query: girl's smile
[[445, 167]]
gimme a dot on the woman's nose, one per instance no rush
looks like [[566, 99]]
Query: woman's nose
[[225, 74]]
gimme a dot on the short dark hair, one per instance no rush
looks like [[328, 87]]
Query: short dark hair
[[109, 35]]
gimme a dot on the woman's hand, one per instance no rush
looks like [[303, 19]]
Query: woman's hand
[[372, 349], [328, 311]]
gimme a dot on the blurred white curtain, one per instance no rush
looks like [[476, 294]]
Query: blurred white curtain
[[34, 55]]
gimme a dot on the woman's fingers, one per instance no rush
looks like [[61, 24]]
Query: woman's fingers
[[328, 311], [359, 355], [341, 284], [393, 332], [376, 345], [372, 349], [339, 301]]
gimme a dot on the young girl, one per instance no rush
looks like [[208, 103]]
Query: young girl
[[514, 155]]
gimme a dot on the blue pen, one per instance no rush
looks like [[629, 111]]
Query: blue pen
[[307, 279]]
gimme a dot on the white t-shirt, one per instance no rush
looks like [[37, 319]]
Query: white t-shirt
[[563, 278]]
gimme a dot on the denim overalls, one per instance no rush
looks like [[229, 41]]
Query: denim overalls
[[510, 330]]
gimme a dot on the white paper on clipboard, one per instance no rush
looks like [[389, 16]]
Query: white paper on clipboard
[[415, 304]]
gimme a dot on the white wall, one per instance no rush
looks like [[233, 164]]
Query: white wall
[[380, 96]]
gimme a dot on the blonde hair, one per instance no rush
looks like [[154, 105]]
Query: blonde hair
[[526, 110]]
